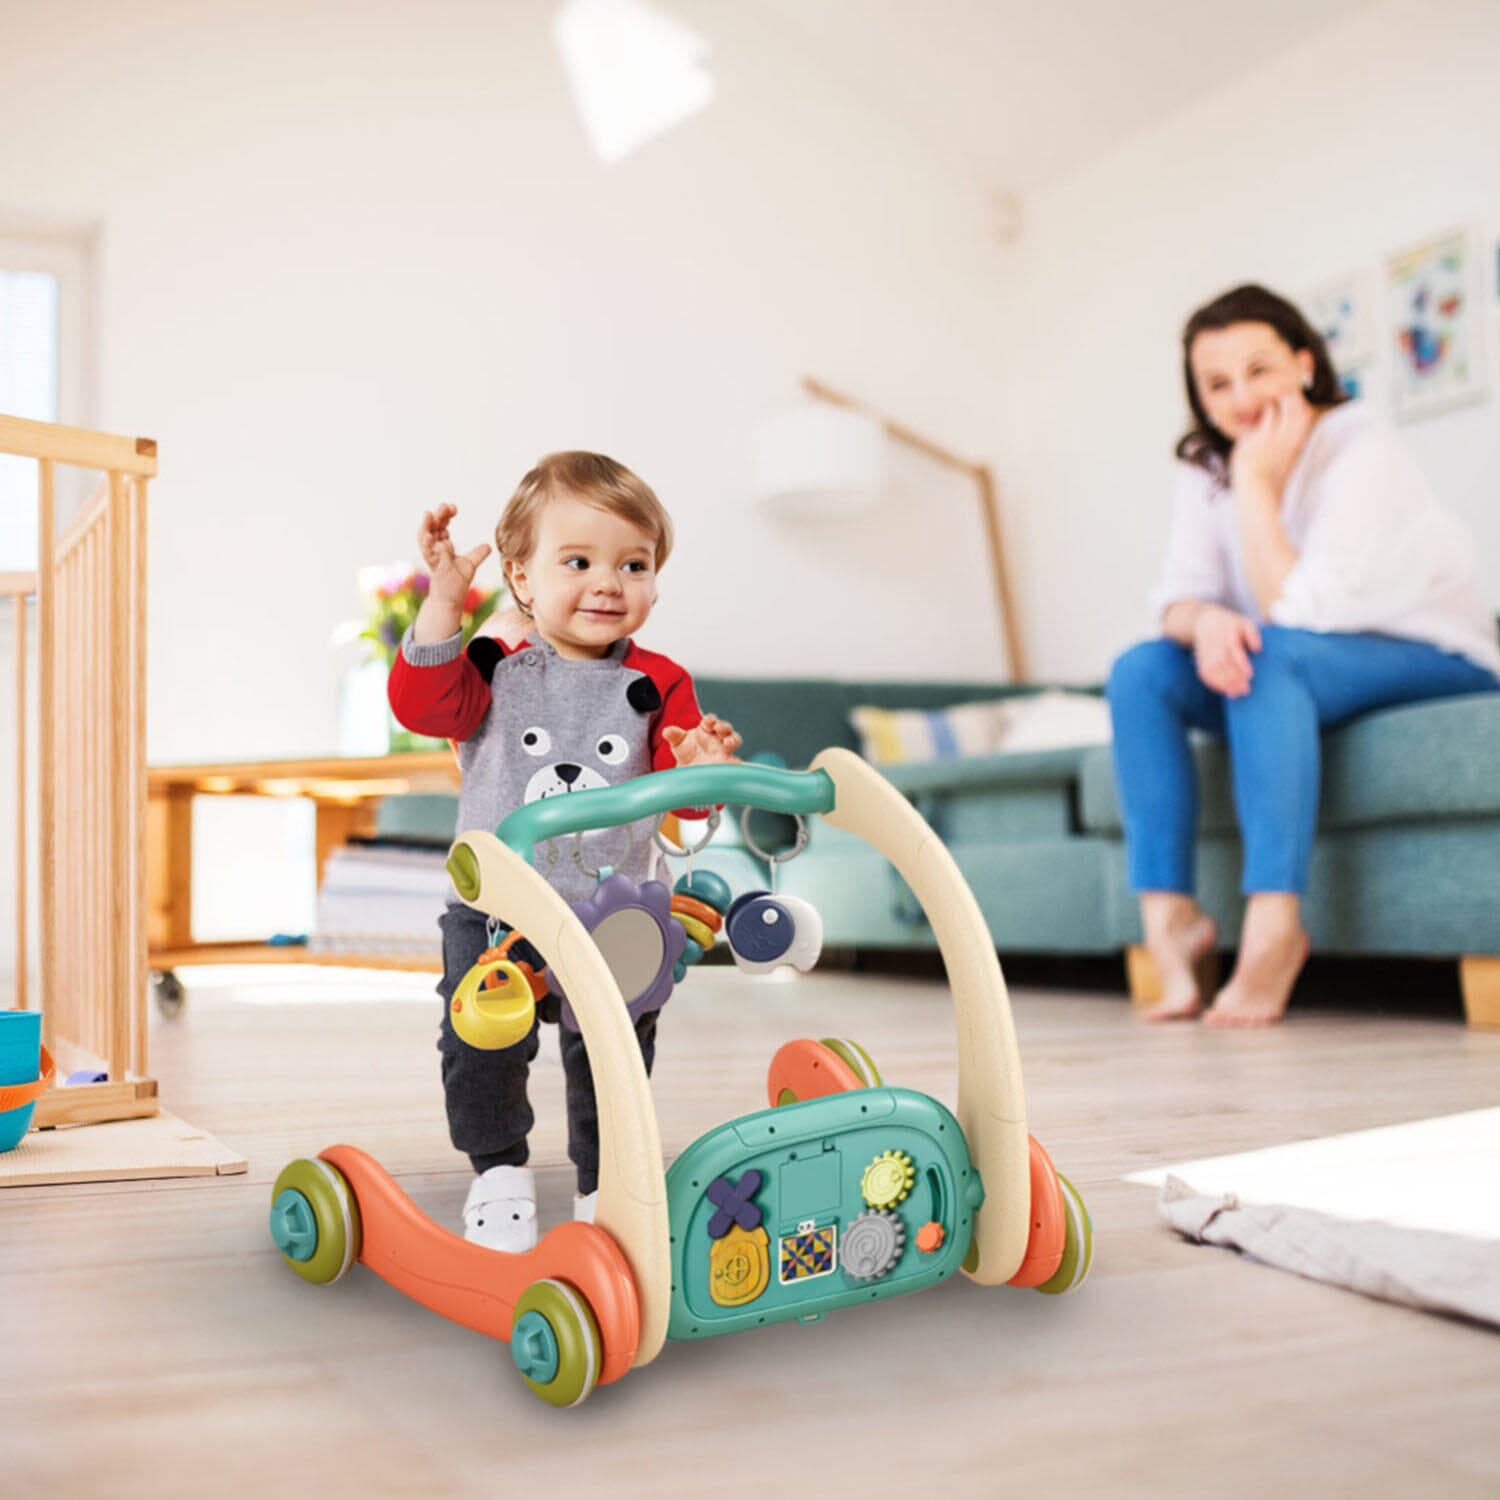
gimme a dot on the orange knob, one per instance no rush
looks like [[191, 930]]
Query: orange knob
[[930, 1237]]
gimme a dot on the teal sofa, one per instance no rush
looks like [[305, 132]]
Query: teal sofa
[[1010, 820], [1407, 860]]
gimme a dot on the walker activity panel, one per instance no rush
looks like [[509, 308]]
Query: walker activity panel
[[796, 1211]]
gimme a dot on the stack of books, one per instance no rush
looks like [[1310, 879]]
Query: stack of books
[[382, 896]]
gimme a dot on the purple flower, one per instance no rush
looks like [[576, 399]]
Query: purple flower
[[390, 633]]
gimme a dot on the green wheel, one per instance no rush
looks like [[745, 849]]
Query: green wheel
[[859, 1061], [1078, 1247], [555, 1343], [315, 1221]]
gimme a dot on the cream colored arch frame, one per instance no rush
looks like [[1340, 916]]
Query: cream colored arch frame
[[632, 1202]]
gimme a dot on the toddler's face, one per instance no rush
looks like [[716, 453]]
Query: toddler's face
[[591, 579]]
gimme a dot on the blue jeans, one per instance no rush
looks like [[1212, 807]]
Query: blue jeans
[[1304, 681]]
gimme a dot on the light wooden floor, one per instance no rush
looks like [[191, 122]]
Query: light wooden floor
[[152, 1343]]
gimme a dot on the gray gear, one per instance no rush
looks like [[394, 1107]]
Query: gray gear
[[873, 1244]]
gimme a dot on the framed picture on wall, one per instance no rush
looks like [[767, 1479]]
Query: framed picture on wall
[[1343, 311], [1436, 324]]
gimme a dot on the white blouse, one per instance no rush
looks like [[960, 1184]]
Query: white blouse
[[1375, 550]]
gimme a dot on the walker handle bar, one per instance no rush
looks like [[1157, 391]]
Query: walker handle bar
[[768, 788]]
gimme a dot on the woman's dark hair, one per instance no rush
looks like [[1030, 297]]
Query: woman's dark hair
[[1204, 444]]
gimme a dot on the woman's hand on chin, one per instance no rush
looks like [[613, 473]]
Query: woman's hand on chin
[[1262, 458]]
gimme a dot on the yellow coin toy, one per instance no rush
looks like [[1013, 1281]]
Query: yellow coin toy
[[739, 1267]]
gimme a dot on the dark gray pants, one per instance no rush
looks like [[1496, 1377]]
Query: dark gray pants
[[489, 1113]]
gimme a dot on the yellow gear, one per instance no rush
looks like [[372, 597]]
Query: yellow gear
[[888, 1179]]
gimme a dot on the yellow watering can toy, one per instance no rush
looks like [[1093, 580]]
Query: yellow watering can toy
[[495, 1014]]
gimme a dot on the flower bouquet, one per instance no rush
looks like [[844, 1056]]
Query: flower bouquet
[[392, 595]]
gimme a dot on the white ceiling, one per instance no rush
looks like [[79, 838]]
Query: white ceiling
[[1023, 92]]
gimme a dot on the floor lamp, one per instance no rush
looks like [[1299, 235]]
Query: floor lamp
[[855, 455]]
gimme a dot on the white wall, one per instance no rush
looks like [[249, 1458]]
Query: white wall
[[1368, 137], [357, 258], [355, 262]]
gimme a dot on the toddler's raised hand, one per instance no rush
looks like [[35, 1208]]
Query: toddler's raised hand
[[452, 572], [712, 741]]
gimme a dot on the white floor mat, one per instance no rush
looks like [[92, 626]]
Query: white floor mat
[[1435, 1174]]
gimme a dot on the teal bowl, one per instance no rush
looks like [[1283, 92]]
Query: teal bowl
[[14, 1123], [20, 1062]]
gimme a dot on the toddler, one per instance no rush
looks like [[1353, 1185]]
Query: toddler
[[565, 702]]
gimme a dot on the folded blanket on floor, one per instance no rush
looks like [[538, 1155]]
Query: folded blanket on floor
[[1447, 1273]]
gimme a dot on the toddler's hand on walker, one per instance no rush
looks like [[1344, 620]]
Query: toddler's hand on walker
[[452, 572], [1222, 643], [712, 741]]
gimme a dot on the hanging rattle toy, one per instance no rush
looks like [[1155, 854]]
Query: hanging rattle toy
[[765, 930]]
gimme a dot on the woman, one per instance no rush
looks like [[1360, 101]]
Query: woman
[[1310, 576]]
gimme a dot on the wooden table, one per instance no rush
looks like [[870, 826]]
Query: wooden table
[[345, 794]]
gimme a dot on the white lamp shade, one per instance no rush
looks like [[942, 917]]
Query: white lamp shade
[[820, 459], [635, 70]]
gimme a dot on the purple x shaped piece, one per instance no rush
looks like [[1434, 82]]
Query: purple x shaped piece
[[736, 1203]]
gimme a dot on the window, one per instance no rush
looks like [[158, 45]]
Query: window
[[45, 372]]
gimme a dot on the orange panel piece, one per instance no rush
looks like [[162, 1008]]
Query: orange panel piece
[[930, 1237], [1049, 1222], [479, 1287], [807, 1070]]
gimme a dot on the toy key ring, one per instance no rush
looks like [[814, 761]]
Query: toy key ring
[[676, 851], [598, 874], [772, 860]]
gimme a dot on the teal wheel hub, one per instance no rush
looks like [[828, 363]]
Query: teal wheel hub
[[294, 1228], [533, 1346]]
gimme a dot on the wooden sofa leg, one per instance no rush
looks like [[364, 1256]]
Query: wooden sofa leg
[[1141, 976], [1145, 982], [1479, 978]]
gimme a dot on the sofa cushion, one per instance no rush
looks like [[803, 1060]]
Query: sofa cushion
[[1039, 896], [984, 772], [1421, 761], [797, 717], [907, 736], [1406, 888]]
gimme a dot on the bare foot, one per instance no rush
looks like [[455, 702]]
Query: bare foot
[[1178, 953], [1261, 985]]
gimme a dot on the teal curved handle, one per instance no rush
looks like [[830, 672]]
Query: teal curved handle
[[764, 787]]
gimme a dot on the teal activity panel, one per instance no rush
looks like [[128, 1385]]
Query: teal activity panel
[[793, 1212]]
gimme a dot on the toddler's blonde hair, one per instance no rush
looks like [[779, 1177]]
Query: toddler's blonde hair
[[592, 478]]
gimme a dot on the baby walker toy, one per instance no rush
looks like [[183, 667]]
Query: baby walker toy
[[844, 1191]]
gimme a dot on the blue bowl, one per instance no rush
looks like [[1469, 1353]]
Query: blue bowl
[[20, 1062], [14, 1123]]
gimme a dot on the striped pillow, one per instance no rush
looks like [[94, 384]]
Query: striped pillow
[[900, 736]]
